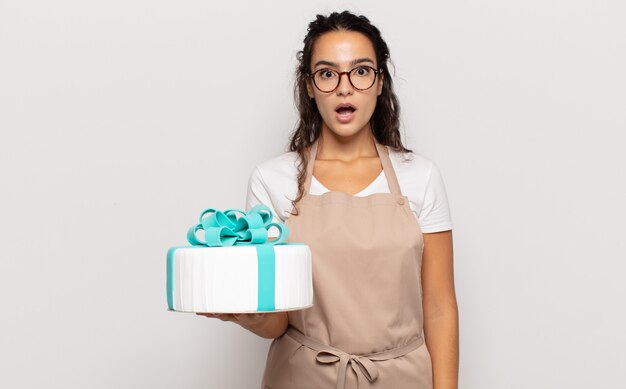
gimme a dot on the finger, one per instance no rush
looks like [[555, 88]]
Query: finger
[[221, 316], [227, 317], [246, 318], [249, 318]]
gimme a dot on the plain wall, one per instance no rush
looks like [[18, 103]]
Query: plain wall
[[120, 121]]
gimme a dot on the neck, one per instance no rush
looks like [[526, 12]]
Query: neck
[[332, 146]]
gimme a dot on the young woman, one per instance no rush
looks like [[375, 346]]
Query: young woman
[[377, 220]]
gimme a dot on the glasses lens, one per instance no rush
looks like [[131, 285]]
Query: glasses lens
[[326, 80], [362, 77]]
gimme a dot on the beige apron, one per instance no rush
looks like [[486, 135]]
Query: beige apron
[[365, 327]]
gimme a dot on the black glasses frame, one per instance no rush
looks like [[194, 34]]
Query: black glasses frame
[[376, 72]]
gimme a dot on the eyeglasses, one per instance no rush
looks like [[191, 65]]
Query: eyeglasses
[[361, 78]]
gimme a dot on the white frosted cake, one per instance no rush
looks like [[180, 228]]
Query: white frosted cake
[[237, 269]]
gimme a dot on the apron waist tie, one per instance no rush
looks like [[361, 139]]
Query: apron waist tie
[[361, 364]]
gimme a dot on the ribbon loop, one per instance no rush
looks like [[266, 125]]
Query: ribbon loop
[[224, 228], [362, 366], [327, 357]]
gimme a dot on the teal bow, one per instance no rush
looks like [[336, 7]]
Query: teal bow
[[223, 228]]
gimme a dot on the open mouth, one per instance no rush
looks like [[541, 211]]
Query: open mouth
[[345, 111]]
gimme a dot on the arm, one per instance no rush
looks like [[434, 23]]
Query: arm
[[440, 309]]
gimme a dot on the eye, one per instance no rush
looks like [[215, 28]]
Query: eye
[[362, 71], [326, 74]]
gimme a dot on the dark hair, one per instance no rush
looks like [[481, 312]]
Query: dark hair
[[385, 121]]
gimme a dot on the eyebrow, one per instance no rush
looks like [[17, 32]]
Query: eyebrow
[[352, 63]]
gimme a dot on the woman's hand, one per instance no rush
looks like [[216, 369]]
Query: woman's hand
[[265, 324], [250, 321]]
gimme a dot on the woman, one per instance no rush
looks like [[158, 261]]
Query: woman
[[377, 222]]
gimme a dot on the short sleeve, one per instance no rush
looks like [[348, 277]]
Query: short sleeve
[[258, 194], [435, 213]]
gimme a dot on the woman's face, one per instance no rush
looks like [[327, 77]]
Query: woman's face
[[343, 51]]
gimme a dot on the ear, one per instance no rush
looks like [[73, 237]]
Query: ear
[[309, 88], [381, 77]]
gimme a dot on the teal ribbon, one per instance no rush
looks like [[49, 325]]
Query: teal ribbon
[[224, 228]]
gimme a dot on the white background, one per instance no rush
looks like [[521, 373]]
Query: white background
[[122, 120]]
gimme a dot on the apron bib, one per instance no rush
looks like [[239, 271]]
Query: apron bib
[[365, 327]]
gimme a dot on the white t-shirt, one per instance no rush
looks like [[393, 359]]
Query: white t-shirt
[[274, 184]]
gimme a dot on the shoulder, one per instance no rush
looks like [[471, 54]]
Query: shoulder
[[274, 183], [413, 169], [421, 181], [279, 167]]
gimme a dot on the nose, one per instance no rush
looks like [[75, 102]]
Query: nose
[[344, 87]]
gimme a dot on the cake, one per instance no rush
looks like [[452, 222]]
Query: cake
[[234, 268]]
